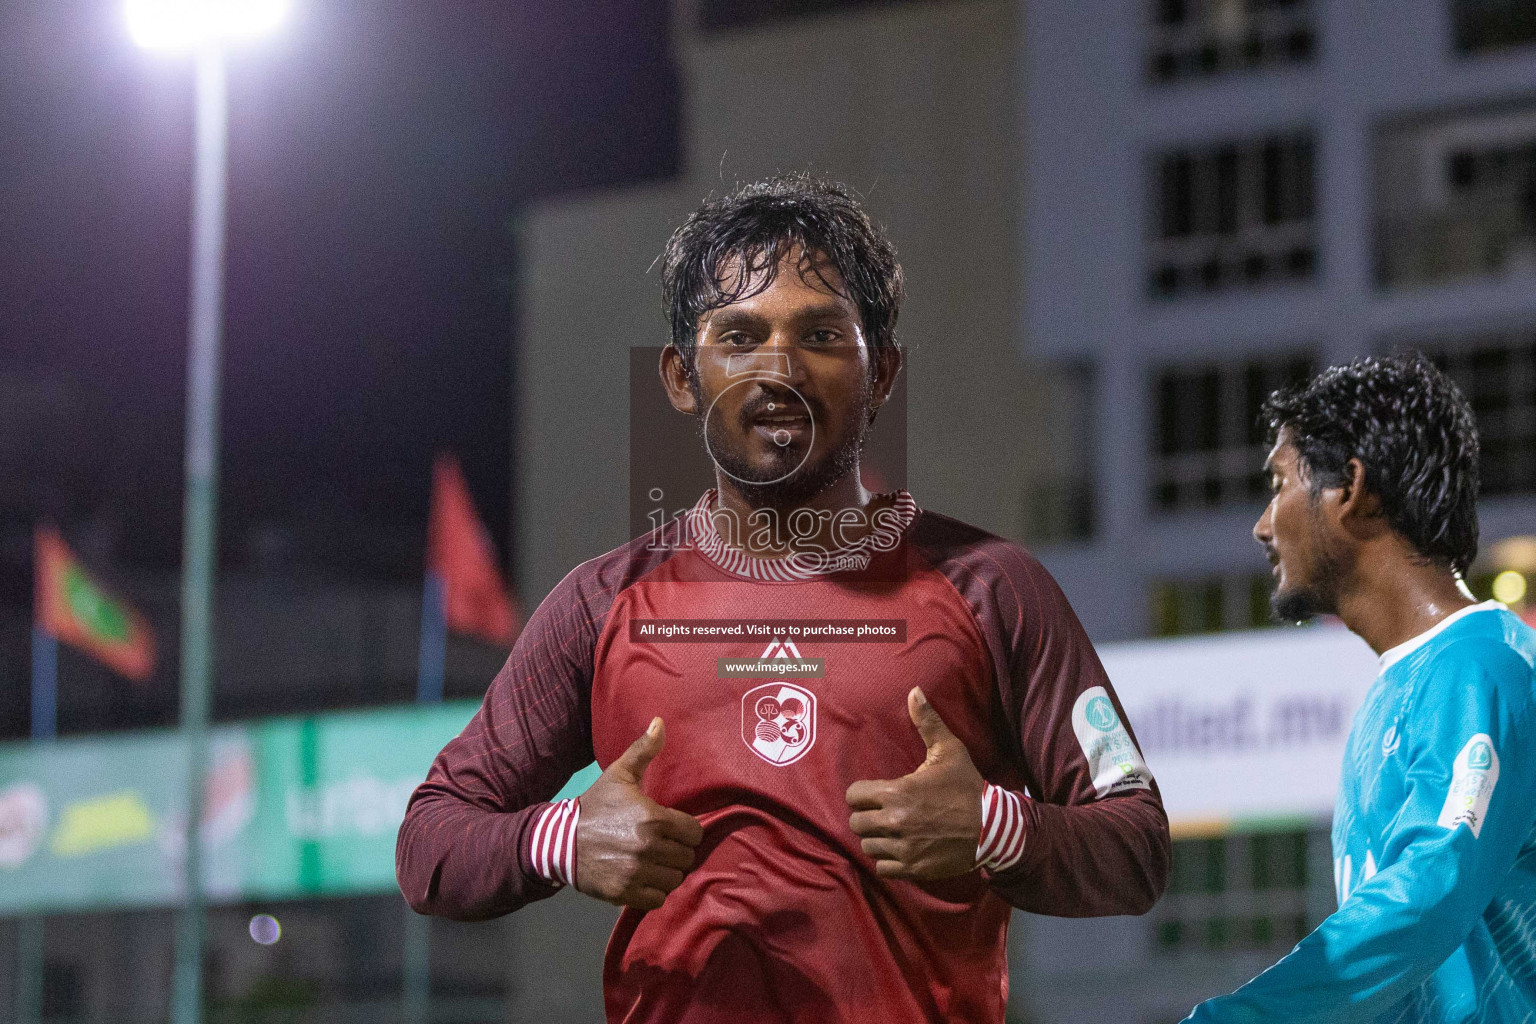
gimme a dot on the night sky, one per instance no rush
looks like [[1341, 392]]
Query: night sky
[[379, 152]]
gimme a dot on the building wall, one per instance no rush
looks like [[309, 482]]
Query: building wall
[[287, 642], [1093, 121], [1011, 155], [912, 104]]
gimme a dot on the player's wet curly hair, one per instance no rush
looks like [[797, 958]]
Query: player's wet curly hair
[[731, 247], [1412, 430]]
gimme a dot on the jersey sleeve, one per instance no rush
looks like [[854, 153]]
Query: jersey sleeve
[[1471, 790], [1095, 836], [466, 847]]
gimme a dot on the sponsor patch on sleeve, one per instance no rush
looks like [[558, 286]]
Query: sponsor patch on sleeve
[[1473, 777], [1113, 760]]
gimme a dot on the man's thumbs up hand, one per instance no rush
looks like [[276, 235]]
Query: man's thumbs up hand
[[630, 850], [941, 743], [924, 825], [629, 767]]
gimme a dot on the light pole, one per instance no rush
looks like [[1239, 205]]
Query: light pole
[[204, 28]]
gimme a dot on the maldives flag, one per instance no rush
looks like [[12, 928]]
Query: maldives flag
[[70, 606], [459, 554]]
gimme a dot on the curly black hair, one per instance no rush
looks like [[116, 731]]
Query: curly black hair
[[731, 247], [1412, 430]]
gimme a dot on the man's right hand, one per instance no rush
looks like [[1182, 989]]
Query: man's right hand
[[630, 850]]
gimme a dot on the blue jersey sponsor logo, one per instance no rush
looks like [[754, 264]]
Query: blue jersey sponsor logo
[[1390, 741]]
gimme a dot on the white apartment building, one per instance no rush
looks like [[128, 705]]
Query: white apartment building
[[1223, 195]]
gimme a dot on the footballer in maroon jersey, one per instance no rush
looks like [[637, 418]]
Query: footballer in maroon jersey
[[841, 837]]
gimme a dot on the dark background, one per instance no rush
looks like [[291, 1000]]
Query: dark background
[[379, 152]]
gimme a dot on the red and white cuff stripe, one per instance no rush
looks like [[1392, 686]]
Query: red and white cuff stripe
[[553, 849], [1002, 829]]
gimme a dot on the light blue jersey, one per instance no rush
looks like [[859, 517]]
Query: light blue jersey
[[1434, 845]]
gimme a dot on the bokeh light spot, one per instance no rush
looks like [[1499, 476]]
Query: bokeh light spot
[[265, 929], [1509, 586]]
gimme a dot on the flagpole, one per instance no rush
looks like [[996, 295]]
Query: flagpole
[[29, 970], [205, 341], [45, 683], [431, 661], [45, 719], [433, 652]]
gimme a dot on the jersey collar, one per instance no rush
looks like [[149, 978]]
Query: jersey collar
[[799, 565], [1407, 647]]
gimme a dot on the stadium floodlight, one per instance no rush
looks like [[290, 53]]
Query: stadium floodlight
[[194, 24]]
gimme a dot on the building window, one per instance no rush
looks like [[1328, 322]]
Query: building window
[[1497, 373], [1059, 496], [1455, 197], [1241, 892], [1208, 444], [1196, 38], [1493, 24], [1238, 214], [1211, 604], [1059, 510]]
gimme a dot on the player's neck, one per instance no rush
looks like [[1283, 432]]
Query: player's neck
[[848, 493], [1396, 597]]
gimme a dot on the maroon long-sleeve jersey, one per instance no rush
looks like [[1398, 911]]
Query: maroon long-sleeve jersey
[[783, 917]]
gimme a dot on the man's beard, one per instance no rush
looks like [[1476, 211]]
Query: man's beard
[[1320, 596], [786, 483]]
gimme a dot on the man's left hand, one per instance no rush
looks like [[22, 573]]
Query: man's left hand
[[926, 825]]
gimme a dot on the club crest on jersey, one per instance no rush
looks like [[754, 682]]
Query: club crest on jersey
[[778, 722]]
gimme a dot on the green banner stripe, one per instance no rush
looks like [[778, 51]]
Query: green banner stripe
[[296, 807]]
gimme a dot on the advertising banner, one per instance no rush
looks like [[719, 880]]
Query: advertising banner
[[294, 807], [89, 824], [1241, 731], [1244, 731]]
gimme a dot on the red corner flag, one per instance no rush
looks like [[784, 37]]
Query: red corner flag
[[459, 552], [70, 607]]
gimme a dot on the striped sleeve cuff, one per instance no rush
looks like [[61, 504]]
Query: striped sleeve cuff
[[1002, 829], [553, 843]]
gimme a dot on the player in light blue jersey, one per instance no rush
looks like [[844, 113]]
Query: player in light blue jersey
[[1373, 519]]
